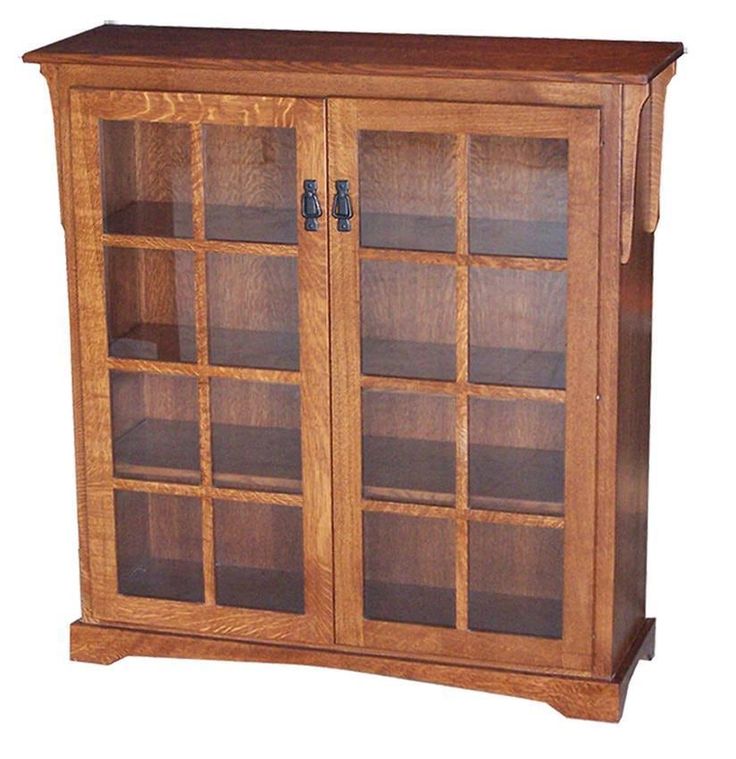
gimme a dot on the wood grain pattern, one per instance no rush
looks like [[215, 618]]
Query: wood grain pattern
[[581, 131], [341, 53], [658, 90], [316, 622], [632, 421], [634, 98], [610, 625], [573, 696], [58, 89]]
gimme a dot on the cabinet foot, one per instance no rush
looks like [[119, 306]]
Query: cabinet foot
[[86, 645], [578, 697]]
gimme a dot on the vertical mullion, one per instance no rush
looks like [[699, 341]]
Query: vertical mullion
[[203, 386], [461, 399]]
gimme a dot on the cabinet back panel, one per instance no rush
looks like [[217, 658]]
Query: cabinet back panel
[[252, 292], [249, 166], [518, 178], [407, 173], [255, 404], [258, 535]]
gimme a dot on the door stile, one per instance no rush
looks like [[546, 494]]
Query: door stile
[[581, 394], [313, 278], [346, 413]]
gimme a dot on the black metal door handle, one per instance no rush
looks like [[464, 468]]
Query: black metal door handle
[[342, 207], [311, 209]]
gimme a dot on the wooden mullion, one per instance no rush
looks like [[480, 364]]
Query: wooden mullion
[[184, 243], [407, 256], [501, 261], [462, 388], [461, 365], [401, 384], [409, 509], [507, 392], [467, 515], [512, 517], [197, 167], [203, 382], [198, 491], [204, 370]]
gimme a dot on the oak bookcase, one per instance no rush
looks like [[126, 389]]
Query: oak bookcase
[[360, 336]]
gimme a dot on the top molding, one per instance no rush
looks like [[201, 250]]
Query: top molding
[[562, 60]]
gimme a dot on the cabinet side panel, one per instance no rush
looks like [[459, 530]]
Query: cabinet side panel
[[59, 91], [634, 362]]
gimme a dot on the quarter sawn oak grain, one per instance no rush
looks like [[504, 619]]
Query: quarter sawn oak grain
[[602, 101]]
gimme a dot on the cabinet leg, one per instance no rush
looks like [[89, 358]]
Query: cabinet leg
[[604, 701], [87, 645]]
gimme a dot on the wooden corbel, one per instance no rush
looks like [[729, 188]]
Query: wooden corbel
[[641, 155]]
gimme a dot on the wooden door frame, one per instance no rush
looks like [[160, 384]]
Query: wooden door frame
[[581, 127], [307, 117]]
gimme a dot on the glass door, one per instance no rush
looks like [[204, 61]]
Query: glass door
[[464, 278], [205, 361]]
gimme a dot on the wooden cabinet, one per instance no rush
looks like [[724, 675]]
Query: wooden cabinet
[[360, 336]]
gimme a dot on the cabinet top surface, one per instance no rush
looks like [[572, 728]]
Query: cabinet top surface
[[352, 53]]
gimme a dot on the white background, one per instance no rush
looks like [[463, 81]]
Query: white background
[[143, 707]]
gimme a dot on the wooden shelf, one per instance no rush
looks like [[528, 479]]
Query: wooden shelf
[[261, 349], [516, 366], [492, 366], [258, 349], [151, 219], [223, 222], [244, 587], [417, 604], [406, 358], [172, 579], [406, 469], [408, 232], [507, 237], [156, 342], [423, 471], [489, 612], [502, 477], [257, 458], [269, 225], [257, 588], [399, 469], [516, 237], [516, 615]]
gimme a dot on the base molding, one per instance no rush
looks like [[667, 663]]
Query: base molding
[[582, 698]]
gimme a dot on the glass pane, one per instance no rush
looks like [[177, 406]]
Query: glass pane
[[515, 579], [407, 190], [253, 311], [518, 327], [154, 426], [146, 178], [259, 557], [409, 447], [518, 196], [409, 569], [256, 436], [150, 304], [517, 455], [250, 184], [158, 540], [408, 320]]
